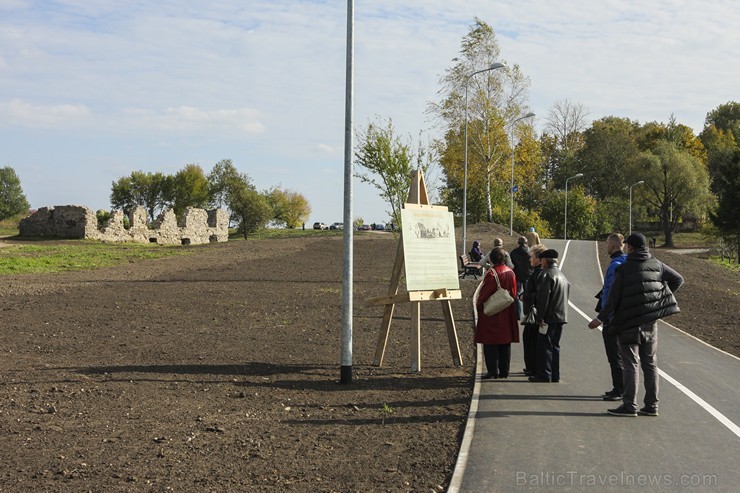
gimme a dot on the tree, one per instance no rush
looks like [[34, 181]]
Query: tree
[[582, 213], [221, 180], [609, 151], [289, 208], [187, 188], [388, 162], [251, 209], [12, 199], [676, 183], [726, 217], [495, 98], [726, 117], [139, 189]]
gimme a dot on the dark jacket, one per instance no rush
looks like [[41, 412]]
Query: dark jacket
[[552, 296], [642, 292], [522, 267], [529, 296], [475, 252]]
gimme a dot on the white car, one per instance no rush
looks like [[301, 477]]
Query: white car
[[339, 226], [321, 226]]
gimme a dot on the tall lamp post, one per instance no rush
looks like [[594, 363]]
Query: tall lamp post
[[465, 162], [565, 226], [638, 183], [511, 185]]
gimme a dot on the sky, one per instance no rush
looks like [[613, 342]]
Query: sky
[[91, 90]]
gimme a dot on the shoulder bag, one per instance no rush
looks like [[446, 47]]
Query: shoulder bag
[[499, 300]]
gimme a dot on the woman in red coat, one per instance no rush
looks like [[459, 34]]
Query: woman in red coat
[[497, 332]]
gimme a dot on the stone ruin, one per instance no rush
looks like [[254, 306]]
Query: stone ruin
[[197, 226]]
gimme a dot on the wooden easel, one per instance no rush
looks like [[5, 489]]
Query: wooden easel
[[417, 198]]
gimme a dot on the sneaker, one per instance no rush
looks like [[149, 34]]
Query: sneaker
[[621, 411], [649, 411], [612, 396]]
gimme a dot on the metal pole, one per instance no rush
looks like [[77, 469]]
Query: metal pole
[[347, 275], [638, 183], [565, 225], [511, 185], [465, 177]]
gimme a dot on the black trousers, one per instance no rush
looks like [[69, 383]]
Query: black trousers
[[498, 359], [529, 346], [548, 353], [611, 346]]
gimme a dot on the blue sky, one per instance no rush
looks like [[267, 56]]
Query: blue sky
[[91, 90]]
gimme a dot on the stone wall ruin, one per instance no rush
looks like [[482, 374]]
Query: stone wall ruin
[[197, 226]]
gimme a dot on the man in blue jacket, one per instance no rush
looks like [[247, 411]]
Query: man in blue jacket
[[614, 246], [642, 293]]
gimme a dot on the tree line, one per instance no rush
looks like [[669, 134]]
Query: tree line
[[223, 187], [672, 174]]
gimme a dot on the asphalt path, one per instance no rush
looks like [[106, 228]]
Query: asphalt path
[[524, 436]]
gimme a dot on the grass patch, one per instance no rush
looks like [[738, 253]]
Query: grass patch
[[78, 255], [728, 264]]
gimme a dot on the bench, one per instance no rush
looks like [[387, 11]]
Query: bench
[[468, 267]]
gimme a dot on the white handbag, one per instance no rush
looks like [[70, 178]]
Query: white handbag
[[499, 300]]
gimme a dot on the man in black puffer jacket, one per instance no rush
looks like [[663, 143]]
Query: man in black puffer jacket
[[642, 293]]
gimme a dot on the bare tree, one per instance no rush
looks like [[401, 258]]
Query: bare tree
[[566, 120]]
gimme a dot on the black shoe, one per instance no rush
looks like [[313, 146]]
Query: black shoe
[[488, 376], [535, 378], [503, 376], [612, 396], [648, 411], [622, 411], [611, 392]]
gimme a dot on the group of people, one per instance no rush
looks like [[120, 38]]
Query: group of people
[[638, 290]]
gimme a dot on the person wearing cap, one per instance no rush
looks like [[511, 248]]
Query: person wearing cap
[[529, 299], [520, 258], [641, 294], [614, 246], [553, 291]]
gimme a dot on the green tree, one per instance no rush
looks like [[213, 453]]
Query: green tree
[[289, 208], [726, 117], [187, 188], [251, 209], [139, 189], [495, 98], [565, 121], [726, 217], [609, 151], [387, 163], [582, 213], [676, 183], [12, 199]]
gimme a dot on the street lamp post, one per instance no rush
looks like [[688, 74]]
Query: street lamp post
[[493, 66], [565, 226], [511, 185], [638, 183]]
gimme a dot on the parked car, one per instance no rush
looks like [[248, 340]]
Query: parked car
[[364, 227], [321, 226], [379, 227], [337, 226]]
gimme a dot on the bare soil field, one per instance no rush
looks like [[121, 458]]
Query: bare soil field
[[218, 371]]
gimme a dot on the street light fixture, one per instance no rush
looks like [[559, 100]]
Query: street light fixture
[[511, 185], [638, 183], [565, 226], [493, 66]]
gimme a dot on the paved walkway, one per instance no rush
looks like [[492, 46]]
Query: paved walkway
[[524, 436]]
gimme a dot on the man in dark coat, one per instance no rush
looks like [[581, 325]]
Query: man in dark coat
[[522, 270], [553, 290], [642, 293]]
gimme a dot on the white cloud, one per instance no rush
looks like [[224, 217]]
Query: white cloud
[[61, 116], [190, 119], [325, 148]]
